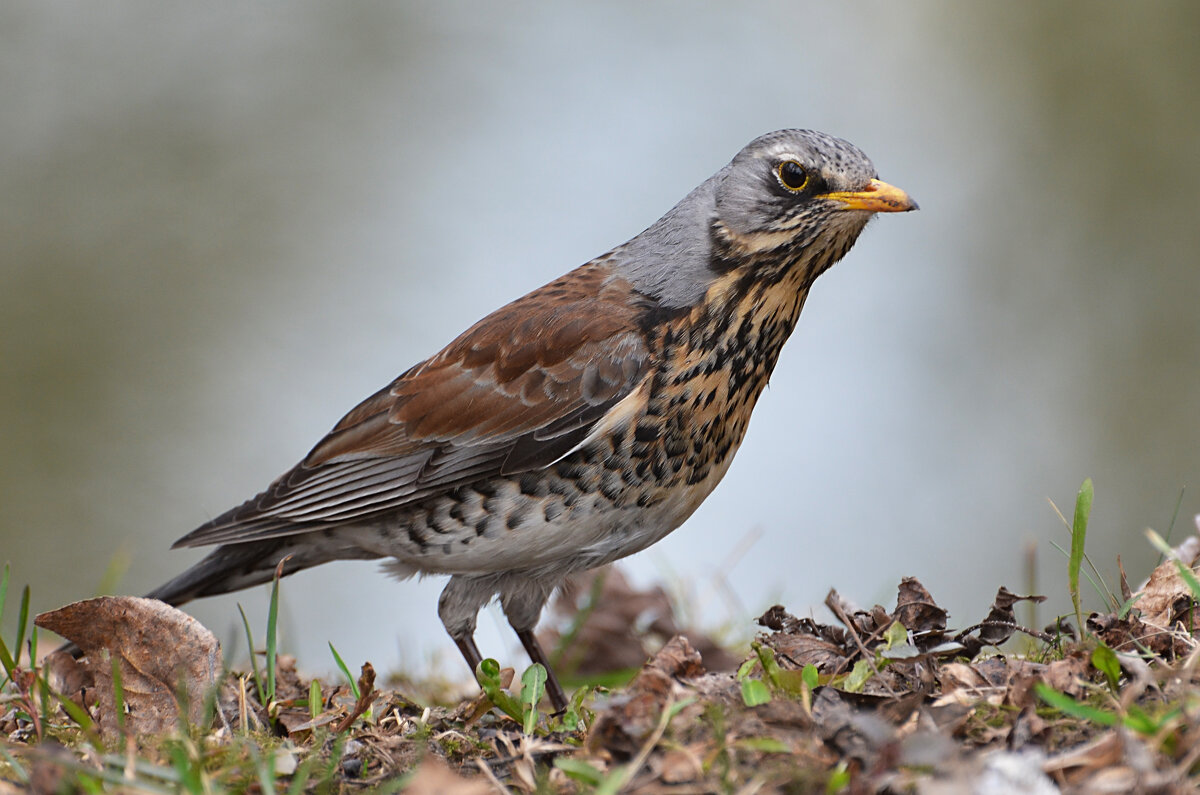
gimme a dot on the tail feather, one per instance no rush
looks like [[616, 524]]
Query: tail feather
[[227, 568], [232, 567]]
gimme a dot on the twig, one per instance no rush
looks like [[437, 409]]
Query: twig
[[870, 658], [366, 691]]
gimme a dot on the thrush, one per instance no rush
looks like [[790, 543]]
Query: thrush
[[578, 424]]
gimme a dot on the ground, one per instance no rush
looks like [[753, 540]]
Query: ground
[[879, 700]]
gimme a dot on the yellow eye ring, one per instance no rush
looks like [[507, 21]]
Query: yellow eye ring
[[792, 176]]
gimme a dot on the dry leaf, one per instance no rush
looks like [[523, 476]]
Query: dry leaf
[[160, 650], [433, 777], [919, 614], [632, 716], [1068, 675], [1165, 597]]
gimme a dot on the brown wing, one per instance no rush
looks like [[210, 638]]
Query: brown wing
[[515, 392]]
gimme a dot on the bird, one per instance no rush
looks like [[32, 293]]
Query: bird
[[576, 425]]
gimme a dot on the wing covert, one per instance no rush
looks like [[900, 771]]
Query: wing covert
[[515, 392]]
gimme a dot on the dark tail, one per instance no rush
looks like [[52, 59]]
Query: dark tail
[[231, 567]]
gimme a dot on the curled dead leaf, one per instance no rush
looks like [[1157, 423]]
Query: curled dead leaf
[[1166, 598], [919, 614], [161, 652], [632, 716]]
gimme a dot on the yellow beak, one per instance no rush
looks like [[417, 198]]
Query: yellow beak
[[877, 197]]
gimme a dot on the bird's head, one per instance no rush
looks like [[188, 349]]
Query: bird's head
[[789, 197]]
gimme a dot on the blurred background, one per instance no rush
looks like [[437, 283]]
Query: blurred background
[[224, 226]]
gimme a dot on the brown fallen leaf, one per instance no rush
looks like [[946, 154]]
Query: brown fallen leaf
[[160, 651], [959, 676], [633, 715], [433, 777], [1068, 675], [919, 614], [1166, 598]]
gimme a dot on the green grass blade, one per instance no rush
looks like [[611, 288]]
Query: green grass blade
[[272, 625], [265, 769], [1174, 517], [300, 777], [579, 770], [118, 693], [3, 589], [1083, 510], [1076, 709], [7, 662], [22, 624], [82, 717], [17, 769], [1095, 585], [258, 682], [6, 658], [345, 671]]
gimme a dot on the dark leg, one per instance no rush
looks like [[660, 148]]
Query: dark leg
[[460, 601], [470, 652], [553, 689]]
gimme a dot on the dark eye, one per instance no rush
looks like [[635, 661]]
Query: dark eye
[[793, 176]]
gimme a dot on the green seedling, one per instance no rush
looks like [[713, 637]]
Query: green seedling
[[341, 664], [581, 771], [533, 687], [487, 673], [839, 779], [1105, 661], [314, 699], [575, 717]]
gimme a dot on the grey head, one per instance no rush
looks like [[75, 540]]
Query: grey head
[[789, 198]]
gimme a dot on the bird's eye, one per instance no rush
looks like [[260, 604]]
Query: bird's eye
[[793, 176]]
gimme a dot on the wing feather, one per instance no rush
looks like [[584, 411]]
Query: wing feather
[[515, 392]]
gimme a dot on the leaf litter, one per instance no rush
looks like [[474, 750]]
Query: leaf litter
[[876, 700]]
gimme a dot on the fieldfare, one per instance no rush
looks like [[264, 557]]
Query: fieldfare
[[578, 424]]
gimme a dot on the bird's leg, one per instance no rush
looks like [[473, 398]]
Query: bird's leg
[[458, 607], [470, 652], [523, 600], [553, 689]]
